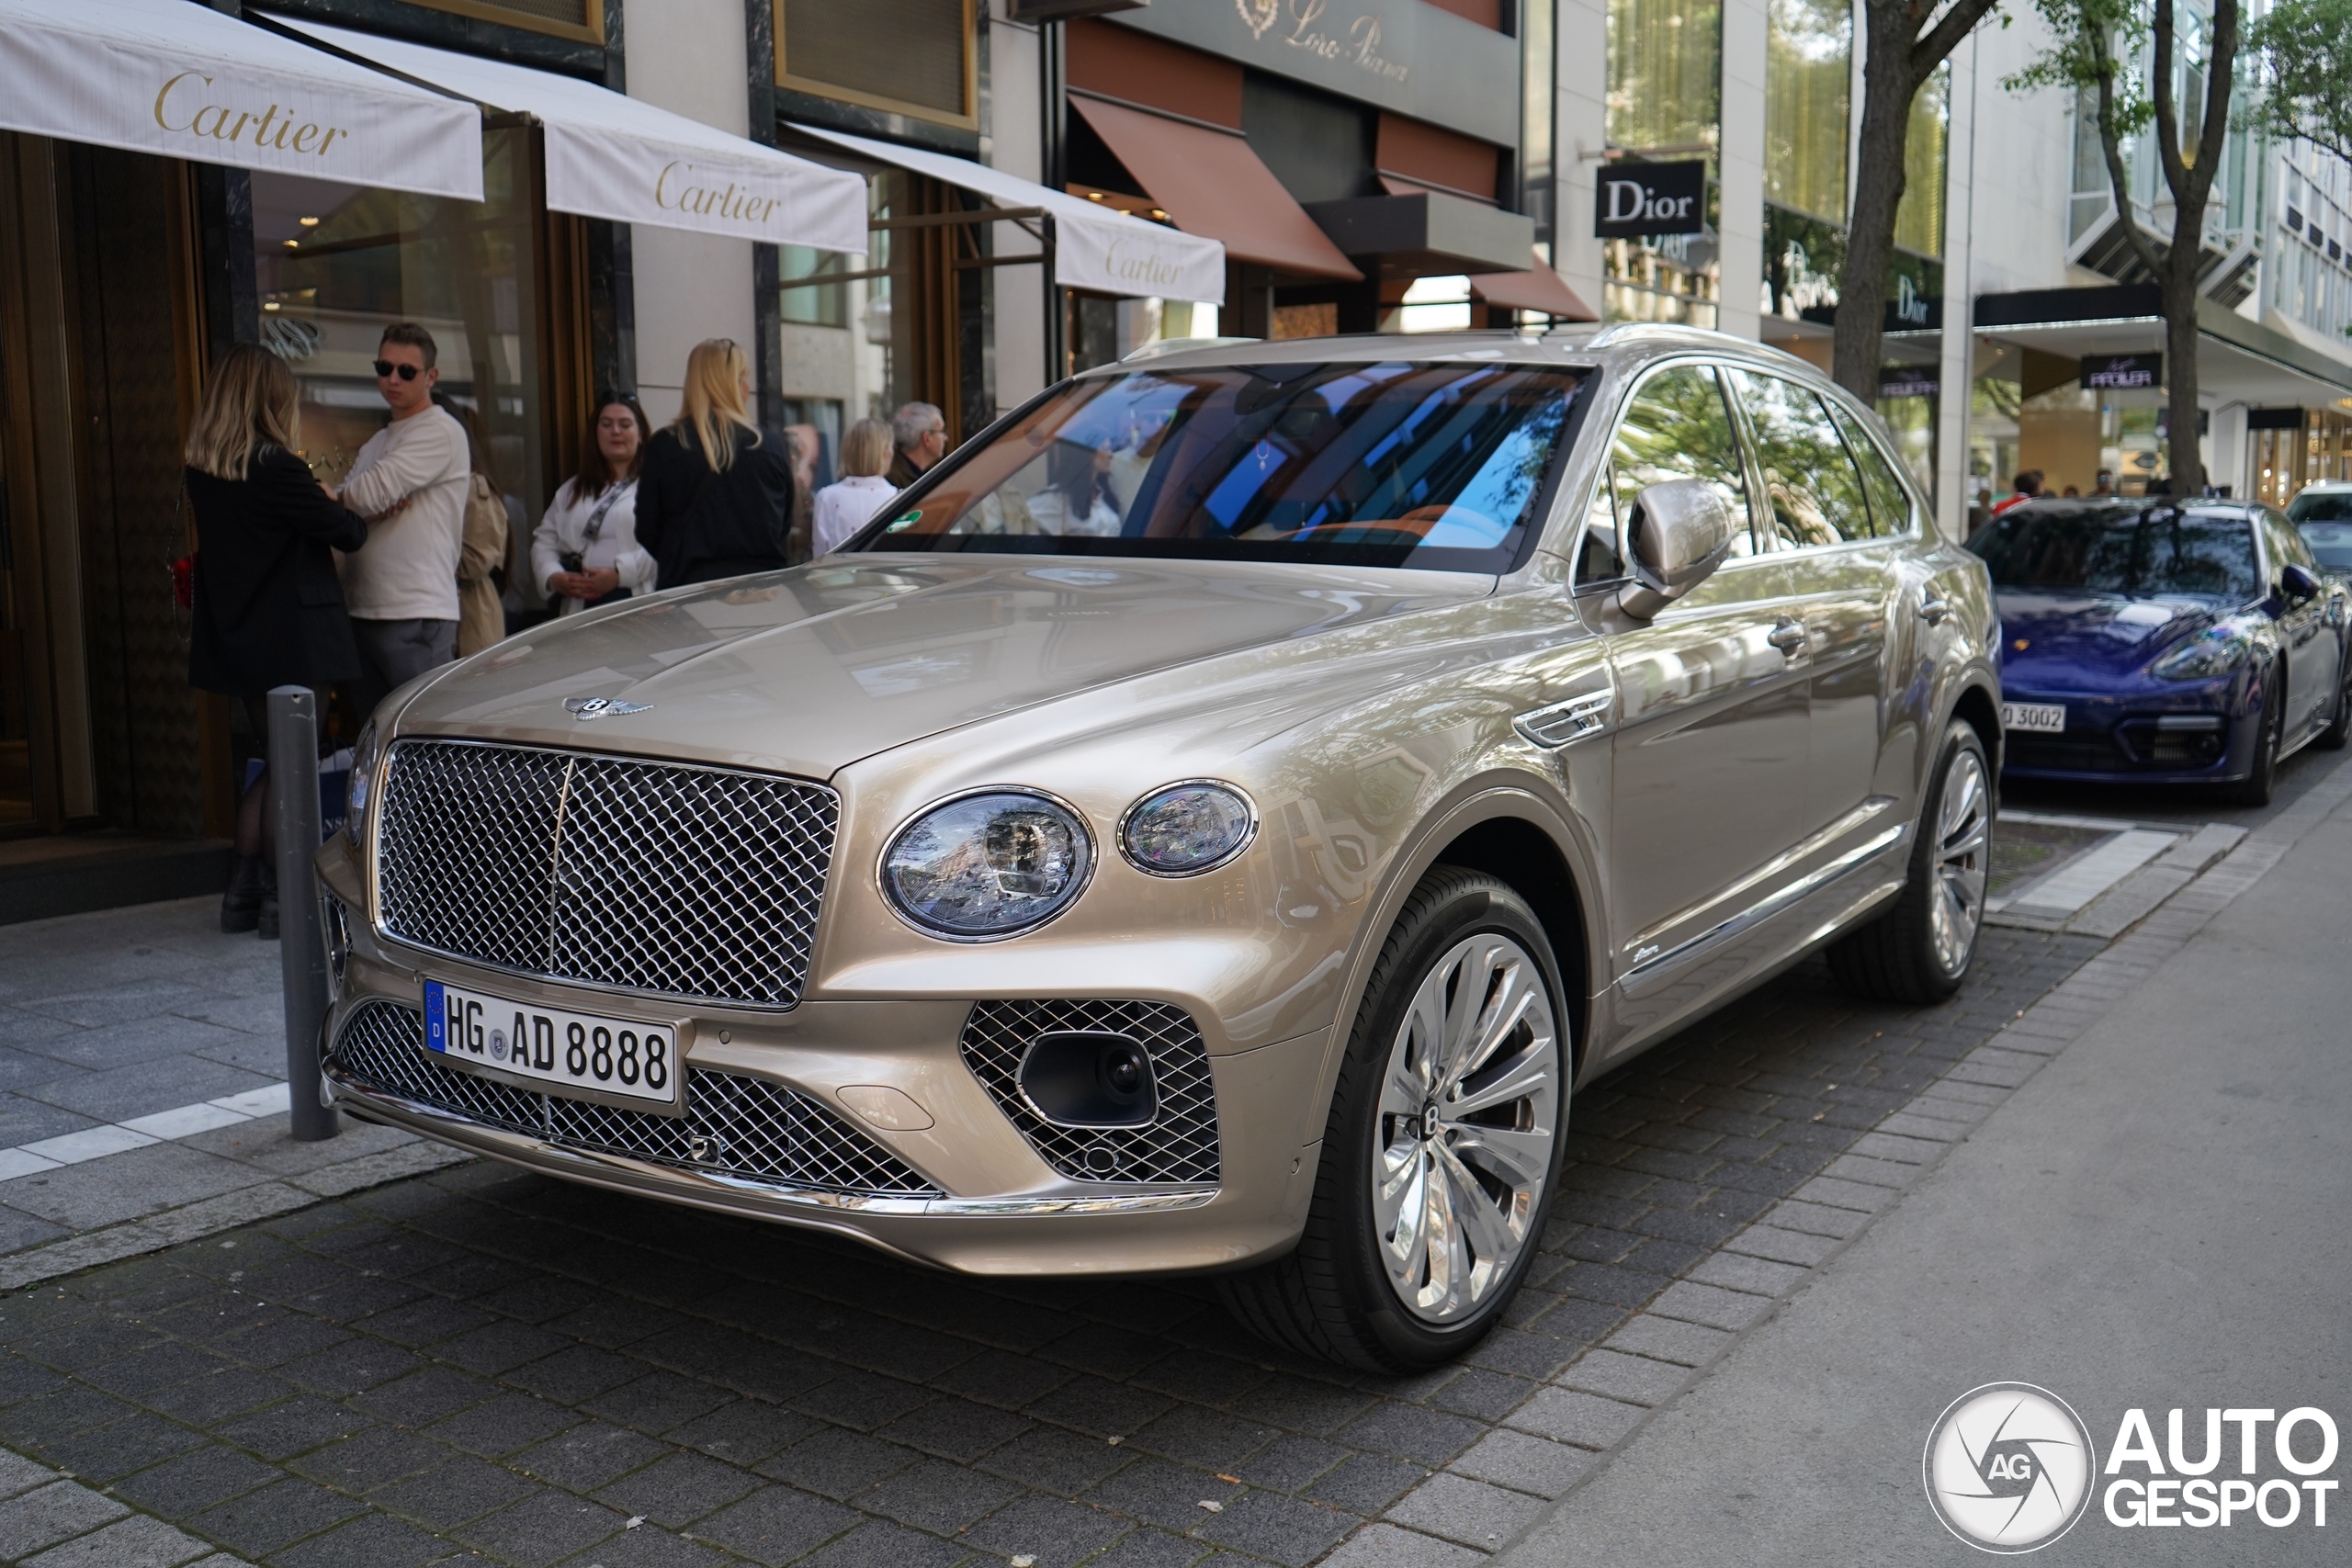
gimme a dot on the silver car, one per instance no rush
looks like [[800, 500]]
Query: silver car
[[1213, 822]]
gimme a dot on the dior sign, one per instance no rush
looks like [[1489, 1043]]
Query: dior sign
[[1635, 200]]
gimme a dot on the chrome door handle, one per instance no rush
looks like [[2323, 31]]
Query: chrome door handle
[[1932, 609], [1786, 635]]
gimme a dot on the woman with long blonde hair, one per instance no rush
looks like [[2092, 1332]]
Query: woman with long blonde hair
[[715, 498], [269, 608]]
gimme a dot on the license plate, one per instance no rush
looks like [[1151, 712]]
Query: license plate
[[574, 1050], [2047, 718]]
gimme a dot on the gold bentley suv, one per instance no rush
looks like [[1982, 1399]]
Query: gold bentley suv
[[1213, 822]]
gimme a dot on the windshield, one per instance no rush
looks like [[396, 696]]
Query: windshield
[[2143, 555], [2321, 506], [1432, 467]]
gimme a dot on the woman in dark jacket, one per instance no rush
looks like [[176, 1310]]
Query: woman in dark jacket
[[269, 608], [714, 500]]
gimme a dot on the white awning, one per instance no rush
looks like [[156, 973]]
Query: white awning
[[184, 81], [613, 156], [1094, 247]]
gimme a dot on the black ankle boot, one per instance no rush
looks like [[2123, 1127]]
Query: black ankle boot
[[266, 918], [240, 904]]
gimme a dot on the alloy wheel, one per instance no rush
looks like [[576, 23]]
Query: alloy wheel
[[1469, 1112], [1963, 835]]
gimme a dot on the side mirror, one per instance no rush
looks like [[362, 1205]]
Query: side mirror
[[2296, 583], [1679, 532]]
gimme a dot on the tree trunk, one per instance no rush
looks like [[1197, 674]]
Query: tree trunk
[[2187, 461], [1888, 88]]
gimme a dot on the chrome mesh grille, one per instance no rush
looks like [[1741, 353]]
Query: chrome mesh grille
[[696, 883], [1178, 1145], [742, 1126]]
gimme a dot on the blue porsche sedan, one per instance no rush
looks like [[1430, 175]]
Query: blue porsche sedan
[[2164, 642]]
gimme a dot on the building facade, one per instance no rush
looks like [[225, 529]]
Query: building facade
[[965, 200]]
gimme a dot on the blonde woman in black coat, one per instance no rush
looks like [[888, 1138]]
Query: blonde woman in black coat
[[269, 608]]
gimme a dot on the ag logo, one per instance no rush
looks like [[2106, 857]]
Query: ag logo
[[585, 708], [2008, 1467]]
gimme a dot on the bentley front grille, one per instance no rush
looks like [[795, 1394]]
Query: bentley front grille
[[696, 883], [733, 1125], [1178, 1145]]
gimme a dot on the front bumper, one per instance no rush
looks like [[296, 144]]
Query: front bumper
[[2194, 736], [980, 1197]]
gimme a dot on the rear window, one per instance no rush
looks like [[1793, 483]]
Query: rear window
[[2139, 554], [1430, 466]]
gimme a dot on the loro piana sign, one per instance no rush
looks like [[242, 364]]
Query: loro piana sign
[[165, 76]]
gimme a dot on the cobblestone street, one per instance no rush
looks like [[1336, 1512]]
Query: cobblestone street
[[484, 1365]]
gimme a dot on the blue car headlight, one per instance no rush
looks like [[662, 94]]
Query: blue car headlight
[[2216, 651], [1187, 828]]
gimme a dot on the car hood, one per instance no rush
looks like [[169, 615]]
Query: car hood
[[2061, 641], [807, 671]]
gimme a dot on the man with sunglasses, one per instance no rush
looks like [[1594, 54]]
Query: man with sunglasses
[[411, 482]]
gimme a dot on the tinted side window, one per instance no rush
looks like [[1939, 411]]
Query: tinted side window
[[1814, 489], [1677, 427], [1890, 503]]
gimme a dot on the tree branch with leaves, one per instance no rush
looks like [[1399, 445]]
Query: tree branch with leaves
[[2303, 50], [2099, 44]]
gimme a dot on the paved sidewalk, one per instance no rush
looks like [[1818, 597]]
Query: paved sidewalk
[[2155, 1220], [142, 1066]]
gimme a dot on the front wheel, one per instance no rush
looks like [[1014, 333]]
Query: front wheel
[[2339, 729], [2262, 775], [1442, 1145], [1919, 949]]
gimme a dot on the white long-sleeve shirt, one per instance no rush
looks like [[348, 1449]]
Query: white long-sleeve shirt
[[565, 525], [844, 507], [408, 568]]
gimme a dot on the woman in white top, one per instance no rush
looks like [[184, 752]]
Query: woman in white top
[[584, 550], [1078, 498], [849, 505]]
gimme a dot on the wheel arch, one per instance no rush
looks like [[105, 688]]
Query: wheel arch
[[1980, 708], [1524, 857]]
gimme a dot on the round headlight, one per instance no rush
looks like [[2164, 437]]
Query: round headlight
[[1187, 828], [992, 864], [363, 774]]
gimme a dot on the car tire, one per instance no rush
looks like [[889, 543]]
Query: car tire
[[1362, 1287], [2262, 777], [1919, 949], [2339, 728]]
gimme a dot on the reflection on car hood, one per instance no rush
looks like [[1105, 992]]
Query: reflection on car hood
[[2071, 640], [806, 670]]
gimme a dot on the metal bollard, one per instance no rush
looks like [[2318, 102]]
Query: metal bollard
[[294, 780]]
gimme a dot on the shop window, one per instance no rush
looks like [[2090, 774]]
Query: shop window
[[814, 303], [1665, 91], [1919, 220], [580, 20], [336, 263], [914, 57], [1808, 77]]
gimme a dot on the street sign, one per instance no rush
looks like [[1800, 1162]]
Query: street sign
[[2123, 372], [1634, 201]]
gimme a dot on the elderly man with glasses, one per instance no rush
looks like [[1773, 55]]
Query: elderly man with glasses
[[411, 481], [919, 431]]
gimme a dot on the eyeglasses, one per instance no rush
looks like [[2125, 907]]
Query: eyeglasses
[[405, 372]]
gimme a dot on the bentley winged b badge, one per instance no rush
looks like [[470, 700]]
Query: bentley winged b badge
[[585, 708]]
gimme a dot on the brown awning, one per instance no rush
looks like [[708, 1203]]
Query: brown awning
[[1210, 183], [1540, 289]]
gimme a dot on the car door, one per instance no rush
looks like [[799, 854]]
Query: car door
[[2305, 628], [1709, 751], [1841, 577]]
